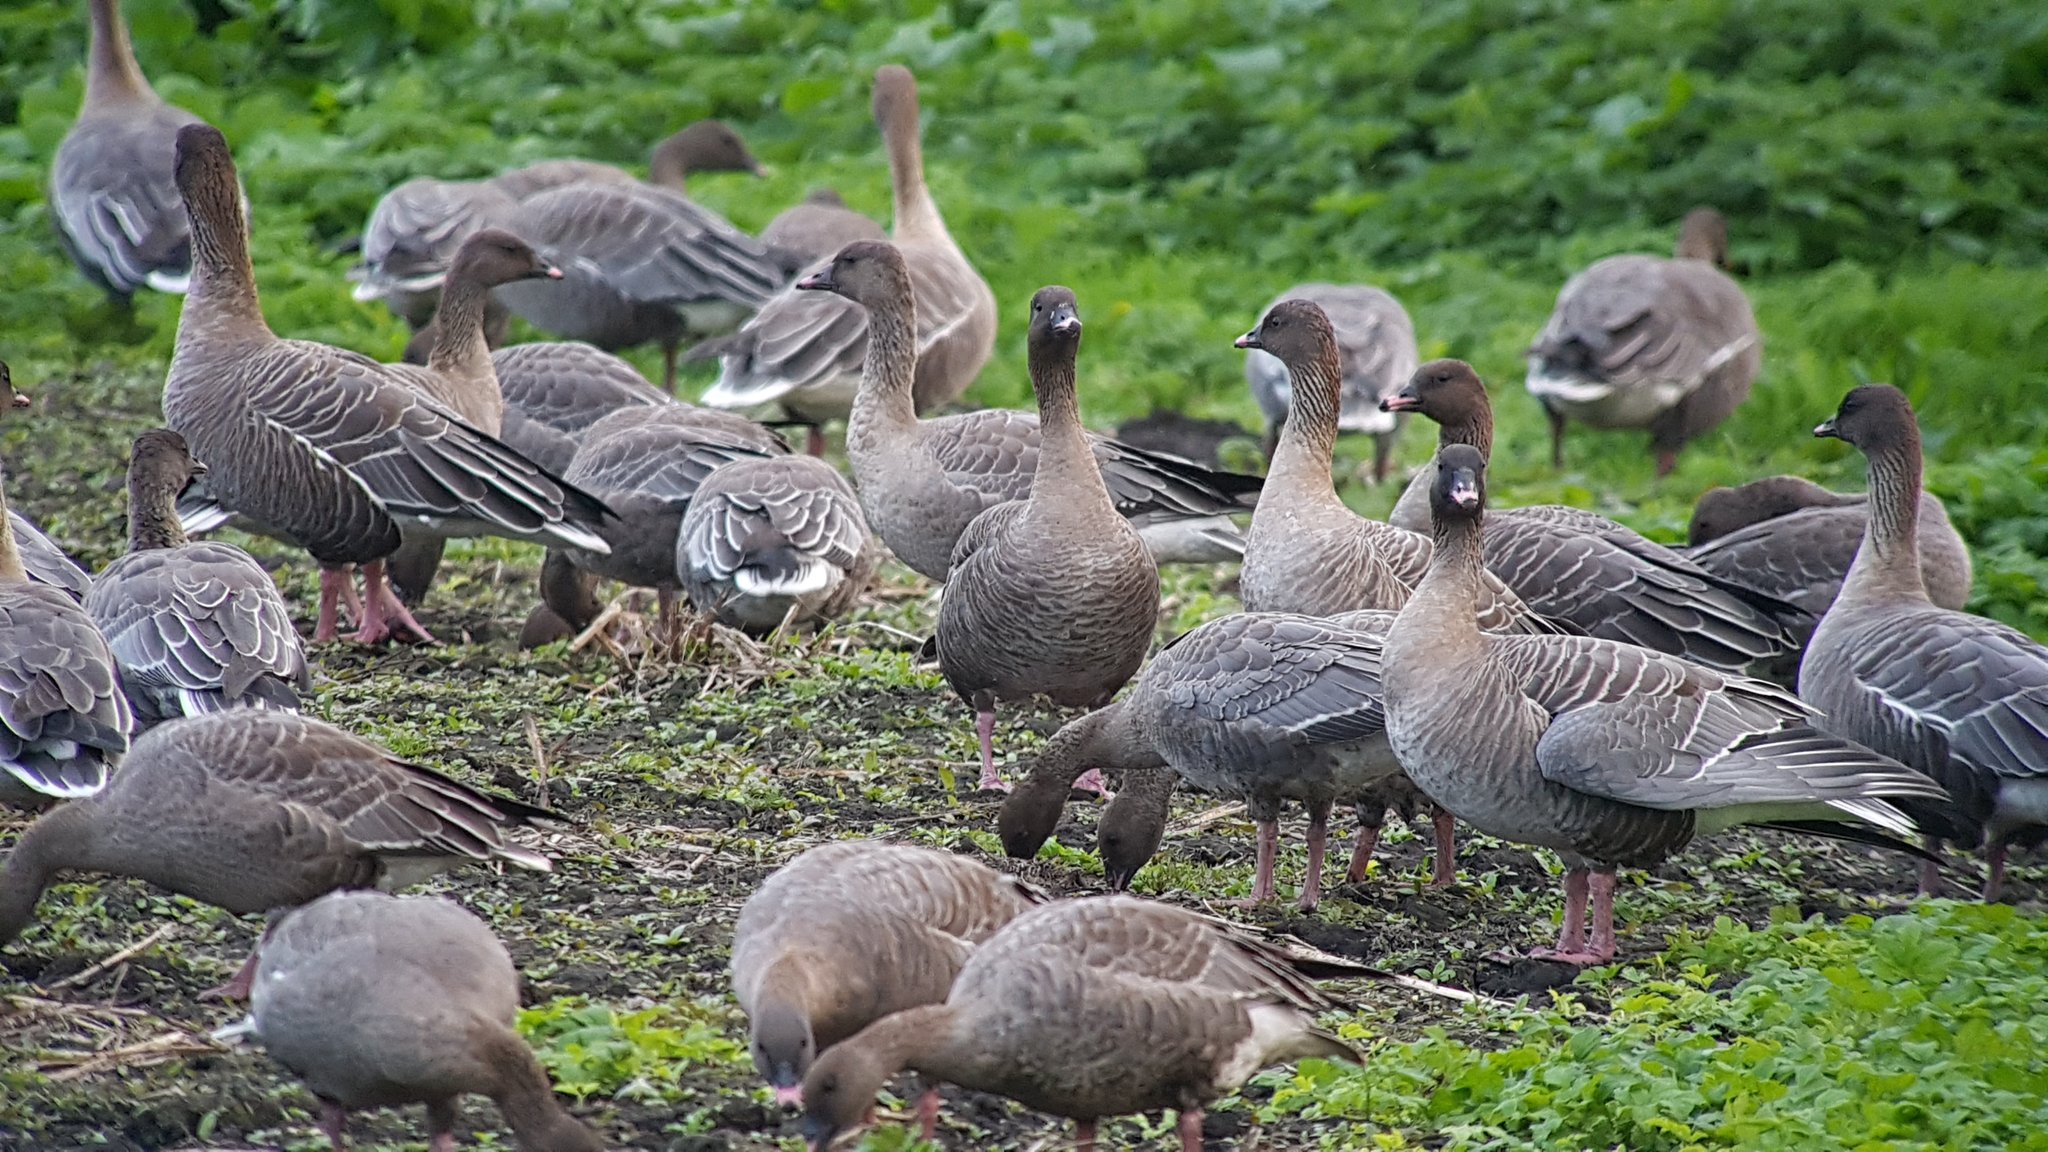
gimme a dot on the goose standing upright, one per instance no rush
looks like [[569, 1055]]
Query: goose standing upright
[[922, 481], [324, 447], [1961, 698], [63, 720], [1608, 754], [112, 193], [805, 351], [1669, 346], [1054, 595], [1376, 349], [195, 626]]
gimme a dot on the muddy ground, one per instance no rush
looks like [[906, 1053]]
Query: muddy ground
[[684, 781]]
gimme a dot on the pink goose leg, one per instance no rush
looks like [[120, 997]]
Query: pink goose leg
[[985, 726], [1318, 844], [384, 615], [1445, 869], [334, 584], [1190, 1129], [1571, 937]]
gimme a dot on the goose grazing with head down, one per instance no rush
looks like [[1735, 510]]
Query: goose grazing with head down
[[1961, 698], [1307, 551], [1608, 754], [818, 227], [774, 541], [255, 810], [63, 720], [922, 481], [805, 351], [377, 1001], [853, 931], [1585, 570], [1669, 346], [112, 195], [1053, 595], [323, 447], [195, 626], [1376, 355], [1266, 707], [1087, 1009]]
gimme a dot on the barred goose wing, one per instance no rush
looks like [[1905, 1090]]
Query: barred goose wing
[[555, 390], [415, 229], [787, 524], [63, 719], [1799, 558], [647, 244], [1314, 680], [116, 202], [46, 563]]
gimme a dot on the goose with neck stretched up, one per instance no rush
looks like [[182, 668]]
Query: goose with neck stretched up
[[1262, 706], [112, 194], [1961, 698], [922, 481], [1609, 754], [324, 447], [1307, 551], [63, 720], [1088, 1009], [195, 626], [1585, 570], [1053, 595], [1376, 355]]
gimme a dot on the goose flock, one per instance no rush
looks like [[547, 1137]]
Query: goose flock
[[1541, 675]]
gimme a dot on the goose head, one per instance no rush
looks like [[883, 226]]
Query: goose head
[[870, 273]]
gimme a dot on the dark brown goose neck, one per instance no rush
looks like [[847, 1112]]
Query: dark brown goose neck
[[1107, 738], [927, 1039], [1447, 600], [896, 113], [1887, 564], [462, 348], [112, 77], [1704, 236], [527, 1099], [223, 289], [153, 512], [63, 838]]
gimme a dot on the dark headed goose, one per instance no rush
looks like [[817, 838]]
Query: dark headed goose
[[773, 541], [111, 190], [1053, 595], [1608, 754], [1376, 355], [850, 932], [1266, 707], [922, 481], [1961, 698], [377, 1001], [321, 446], [805, 351], [1307, 551], [1090, 1009], [1669, 346], [63, 720], [818, 227], [1586, 570], [254, 810], [195, 626]]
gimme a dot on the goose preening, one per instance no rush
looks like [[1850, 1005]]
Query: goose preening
[[1054, 595], [195, 626], [817, 227], [1608, 754], [555, 390], [1962, 698], [1376, 355], [63, 720], [1088, 1009], [805, 351], [1587, 571], [1262, 706], [853, 931], [378, 1001], [1669, 346], [774, 541], [254, 810], [112, 194], [1307, 551], [326, 448], [922, 481]]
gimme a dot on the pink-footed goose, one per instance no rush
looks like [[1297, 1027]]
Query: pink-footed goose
[[1608, 754], [1263, 706], [1669, 346], [1957, 696], [112, 195], [1585, 570], [922, 481], [195, 626], [378, 1001], [850, 932], [805, 351], [555, 390], [1307, 551], [774, 541], [253, 810], [816, 228], [1376, 355], [63, 720], [1089, 1009], [323, 447], [1054, 595]]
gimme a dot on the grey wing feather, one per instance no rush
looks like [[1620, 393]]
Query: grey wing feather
[[1318, 680], [648, 244], [117, 203], [1973, 685], [416, 228], [63, 719], [46, 563]]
